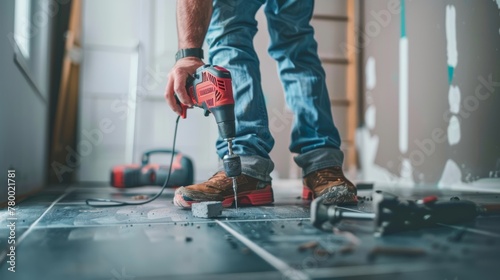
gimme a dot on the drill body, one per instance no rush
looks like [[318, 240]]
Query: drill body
[[210, 88]]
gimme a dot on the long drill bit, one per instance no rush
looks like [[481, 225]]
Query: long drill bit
[[233, 167], [235, 190]]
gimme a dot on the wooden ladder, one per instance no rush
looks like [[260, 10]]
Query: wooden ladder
[[350, 61]]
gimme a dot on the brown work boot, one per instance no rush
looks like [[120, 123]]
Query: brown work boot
[[251, 191], [331, 184]]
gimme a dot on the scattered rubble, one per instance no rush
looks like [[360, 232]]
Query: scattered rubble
[[308, 245], [140, 197]]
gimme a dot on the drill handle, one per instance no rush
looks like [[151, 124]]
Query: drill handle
[[183, 107], [190, 93]]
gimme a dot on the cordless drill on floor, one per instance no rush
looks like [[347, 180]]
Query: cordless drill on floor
[[210, 88]]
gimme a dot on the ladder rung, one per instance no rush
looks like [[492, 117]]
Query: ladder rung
[[330, 17], [340, 102], [334, 60]]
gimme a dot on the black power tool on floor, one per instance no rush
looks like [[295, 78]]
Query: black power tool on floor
[[392, 214], [153, 174]]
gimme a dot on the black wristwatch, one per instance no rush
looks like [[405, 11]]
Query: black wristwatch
[[195, 52]]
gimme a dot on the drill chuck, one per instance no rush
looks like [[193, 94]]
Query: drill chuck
[[232, 165]]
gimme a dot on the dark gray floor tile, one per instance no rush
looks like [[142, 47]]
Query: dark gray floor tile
[[45, 197], [132, 251], [25, 214], [354, 245], [81, 215], [72, 210]]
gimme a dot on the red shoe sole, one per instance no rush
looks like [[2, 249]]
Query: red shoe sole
[[253, 198], [307, 194]]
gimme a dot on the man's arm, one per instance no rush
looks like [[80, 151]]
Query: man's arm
[[193, 18]]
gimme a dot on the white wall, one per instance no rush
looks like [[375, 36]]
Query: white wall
[[449, 137], [111, 32], [23, 111]]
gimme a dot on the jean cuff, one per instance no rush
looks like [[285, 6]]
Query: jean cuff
[[255, 166], [318, 159]]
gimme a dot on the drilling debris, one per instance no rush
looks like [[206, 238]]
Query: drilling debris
[[307, 246]]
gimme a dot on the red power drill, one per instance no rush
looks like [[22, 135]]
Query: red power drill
[[211, 88], [152, 174]]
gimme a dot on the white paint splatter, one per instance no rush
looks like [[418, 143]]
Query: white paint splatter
[[370, 117], [368, 146], [406, 172], [498, 3], [454, 131], [371, 73], [451, 36], [454, 99], [380, 175], [452, 179], [489, 185], [403, 95], [451, 175]]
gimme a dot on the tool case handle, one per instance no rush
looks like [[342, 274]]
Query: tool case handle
[[146, 154]]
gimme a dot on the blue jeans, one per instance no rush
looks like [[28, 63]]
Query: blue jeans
[[230, 36]]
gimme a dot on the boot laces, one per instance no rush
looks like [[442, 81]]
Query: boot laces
[[220, 178]]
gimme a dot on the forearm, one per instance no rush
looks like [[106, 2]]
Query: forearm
[[193, 18]]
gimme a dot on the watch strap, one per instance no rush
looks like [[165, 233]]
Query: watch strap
[[194, 52]]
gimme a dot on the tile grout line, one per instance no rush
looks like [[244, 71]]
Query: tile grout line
[[264, 220], [368, 270], [3, 254], [471, 230], [287, 271]]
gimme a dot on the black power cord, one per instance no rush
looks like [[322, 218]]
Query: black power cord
[[111, 202]]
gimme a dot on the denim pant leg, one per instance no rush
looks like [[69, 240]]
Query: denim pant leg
[[314, 135], [230, 40]]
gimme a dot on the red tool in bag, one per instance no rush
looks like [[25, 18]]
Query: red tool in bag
[[153, 174]]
